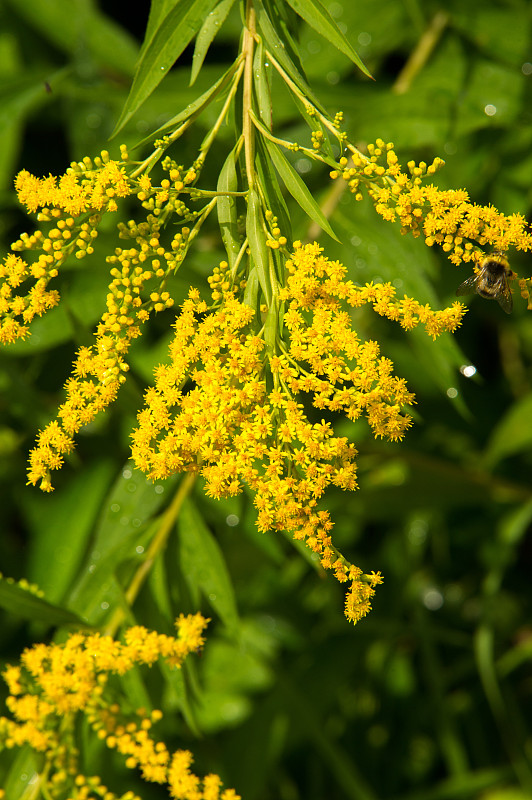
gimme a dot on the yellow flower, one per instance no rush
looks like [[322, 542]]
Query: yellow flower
[[56, 682], [443, 217], [240, 421]]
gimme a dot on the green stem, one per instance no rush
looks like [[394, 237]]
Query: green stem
[[238, 260], [291, 146], [211, 136], [305, 101], [157, 545], [197, 194], [153, 158], [248, 129], [422, 52], [197, 225]]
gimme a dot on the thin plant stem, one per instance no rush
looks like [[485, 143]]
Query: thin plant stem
[[248, 128], [421, 53], [157, 545]]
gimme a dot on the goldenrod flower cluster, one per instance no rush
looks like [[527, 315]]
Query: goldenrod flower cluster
[[229, 405], [73, 206], [86, 191], [229, 409], [56, 682], [444, 217]]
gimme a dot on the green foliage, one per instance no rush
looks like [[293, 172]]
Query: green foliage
[[429, 697]]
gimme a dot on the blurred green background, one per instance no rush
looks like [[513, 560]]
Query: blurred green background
[[430, 697]]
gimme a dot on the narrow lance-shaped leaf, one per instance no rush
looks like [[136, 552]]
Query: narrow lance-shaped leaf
[[167, 43], [513, 433], [251, 292], [271, 328], [203, 563], [159, 587], [272, 189], [123, 527], [194, 108], [208, 32], [298, 188], [226, 206], [65, 517], [19, 601], [262, 86], [134, 687], [158, 11], [257, 243], [277, 46], [23, 775], [317, 16]]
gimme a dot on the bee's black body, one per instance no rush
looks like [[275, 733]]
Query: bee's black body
[[491, 281]]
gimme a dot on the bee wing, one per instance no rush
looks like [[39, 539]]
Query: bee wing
[[504, 298], [468, 286]]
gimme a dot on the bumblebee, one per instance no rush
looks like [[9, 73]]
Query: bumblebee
[[491, 281]]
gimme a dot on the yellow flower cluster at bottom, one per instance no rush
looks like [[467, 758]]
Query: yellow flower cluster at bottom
[[55, 682]]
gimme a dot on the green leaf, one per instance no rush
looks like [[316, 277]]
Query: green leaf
[[98, 590], [317, 16], [158, 584], [251, 293], [134, 687], [261, 79], [271, 329], [204, 565], [298, 188], [194, 108], [22, 603], [158, 11], [133, 501], [208, 31], [47, 331], [278, 49], [257, 243], [61, 527], [123, 533], [513, 434], [515, 524], [162, 50], [176, 692], [23, 776], [226, 206], [272, 190]]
